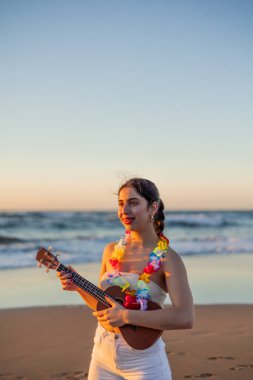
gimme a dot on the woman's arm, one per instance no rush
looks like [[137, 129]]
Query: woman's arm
[[179, 315], [67, 282]]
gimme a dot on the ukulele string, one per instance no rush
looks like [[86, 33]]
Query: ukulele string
[[86, 285]]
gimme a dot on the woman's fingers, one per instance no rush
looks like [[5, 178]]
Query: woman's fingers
[[63, 276], [66, 281], [68, 285]]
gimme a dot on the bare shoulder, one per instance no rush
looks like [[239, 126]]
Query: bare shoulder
[[172, 256], [173, 262], [107, 253]]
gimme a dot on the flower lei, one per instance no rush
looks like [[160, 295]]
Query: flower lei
[[136, 299]]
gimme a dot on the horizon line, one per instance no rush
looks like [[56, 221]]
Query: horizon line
[[115, 210]]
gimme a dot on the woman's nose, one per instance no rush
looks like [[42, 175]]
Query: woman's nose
[[125, 208]]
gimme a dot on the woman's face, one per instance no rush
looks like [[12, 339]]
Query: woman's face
[[133, 210]]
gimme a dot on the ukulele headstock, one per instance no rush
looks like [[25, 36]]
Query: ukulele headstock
[[46, 258]]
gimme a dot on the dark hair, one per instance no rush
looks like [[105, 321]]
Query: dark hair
[[149, 191]]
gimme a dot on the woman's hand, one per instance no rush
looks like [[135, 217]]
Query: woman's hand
[[66, 280], [116, 315]]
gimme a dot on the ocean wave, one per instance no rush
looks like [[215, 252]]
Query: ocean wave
[[83, 251], [228, 246], [9, 240], [82, 236], [194, 224], [109, 220], [209, 219]]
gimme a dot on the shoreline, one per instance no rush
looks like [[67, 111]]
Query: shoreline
[[55, 342], [41, 307], [214, 279]]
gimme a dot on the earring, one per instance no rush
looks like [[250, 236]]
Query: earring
[[151, 218]]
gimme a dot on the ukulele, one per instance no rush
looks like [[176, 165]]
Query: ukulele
[[137, 337]]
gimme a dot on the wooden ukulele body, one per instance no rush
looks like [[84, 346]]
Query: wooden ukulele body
[[138, 337]]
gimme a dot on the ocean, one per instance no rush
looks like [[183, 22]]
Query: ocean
[[81, 236], [216, 248]]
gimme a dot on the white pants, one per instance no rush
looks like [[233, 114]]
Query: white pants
[[112, 358]]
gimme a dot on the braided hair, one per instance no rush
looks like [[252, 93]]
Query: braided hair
[[149, 191]]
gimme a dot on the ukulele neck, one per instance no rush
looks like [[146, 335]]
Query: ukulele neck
[[85, 285]]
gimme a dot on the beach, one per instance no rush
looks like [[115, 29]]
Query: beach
[[47, 333], [56, 342]]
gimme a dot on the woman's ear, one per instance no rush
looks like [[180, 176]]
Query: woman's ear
[[154, 208]]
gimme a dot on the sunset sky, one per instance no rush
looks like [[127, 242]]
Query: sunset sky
[[95, 92]]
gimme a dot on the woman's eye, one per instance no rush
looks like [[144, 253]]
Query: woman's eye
[[130, 203]]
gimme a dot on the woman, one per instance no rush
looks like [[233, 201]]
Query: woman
[[146, 268]]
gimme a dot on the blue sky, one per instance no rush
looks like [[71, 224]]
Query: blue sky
[[92, 92]]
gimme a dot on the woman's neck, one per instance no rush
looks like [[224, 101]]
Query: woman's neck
[[145, 238]]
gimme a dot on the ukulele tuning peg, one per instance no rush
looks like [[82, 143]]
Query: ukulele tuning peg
[[49, 248]]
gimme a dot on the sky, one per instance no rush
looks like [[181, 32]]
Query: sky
[[94, 92]]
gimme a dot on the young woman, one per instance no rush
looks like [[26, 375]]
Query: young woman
[[146, 268]]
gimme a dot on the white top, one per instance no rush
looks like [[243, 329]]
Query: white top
[[157, 294]]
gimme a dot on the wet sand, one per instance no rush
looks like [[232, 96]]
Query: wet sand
[[56, 342]]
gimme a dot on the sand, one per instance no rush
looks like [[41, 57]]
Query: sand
[[56, 342]]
